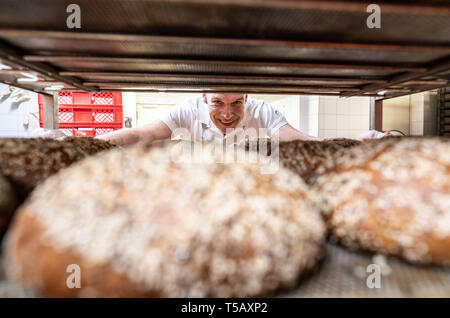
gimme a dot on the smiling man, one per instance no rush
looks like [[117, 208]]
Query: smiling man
[[213, 117]]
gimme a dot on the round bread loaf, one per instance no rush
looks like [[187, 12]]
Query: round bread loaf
[[157, 223], [304, 157], [26, 162], [391, 196], [8, 203]]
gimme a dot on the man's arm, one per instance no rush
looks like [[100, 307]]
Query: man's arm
[[289, 133], [156, 130]]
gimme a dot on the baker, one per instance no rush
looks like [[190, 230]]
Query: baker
[[212, 117]]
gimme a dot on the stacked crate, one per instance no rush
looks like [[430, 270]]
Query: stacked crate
[[88, 114]]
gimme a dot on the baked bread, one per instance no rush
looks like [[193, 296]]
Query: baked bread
[[8, 203], [26, 162], [259, 145], [345, 142], [152, 222], [304, 157], [391, 196], [90, 145]]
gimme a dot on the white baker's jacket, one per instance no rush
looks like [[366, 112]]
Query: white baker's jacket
[[193, 117]]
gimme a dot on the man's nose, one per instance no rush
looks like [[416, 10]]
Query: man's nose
[[227, 112]]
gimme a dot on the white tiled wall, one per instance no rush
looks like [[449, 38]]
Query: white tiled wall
[[150, 106], [129, 107], [343, 117], [416, 114], [423, 108], [430, 113], [16, 120], [289, 107], [309, 115], [396, 114]]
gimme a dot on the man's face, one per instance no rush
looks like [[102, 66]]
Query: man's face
[[225, 110]]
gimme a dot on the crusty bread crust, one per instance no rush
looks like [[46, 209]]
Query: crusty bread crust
[[391, 196], [42, 268], [144, 225], [303, 157], [26, 162], [89, 145], [8, 203], [344, 142]]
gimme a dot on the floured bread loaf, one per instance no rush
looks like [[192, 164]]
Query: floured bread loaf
[[304, 157], [26, 162], [391, 196], [151, 222]]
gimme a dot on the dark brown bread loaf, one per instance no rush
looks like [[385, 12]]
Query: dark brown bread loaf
[[345, 142], [89, 145], [260, 145], [304, 157], [8, 203], [26, 162], [391, 196], [144, 224]]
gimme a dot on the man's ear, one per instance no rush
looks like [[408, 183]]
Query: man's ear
[[205, 99], [245, 98]]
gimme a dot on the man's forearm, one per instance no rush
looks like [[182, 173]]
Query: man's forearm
[[156, 130], [298, 136], [289, 133], [123, 137]]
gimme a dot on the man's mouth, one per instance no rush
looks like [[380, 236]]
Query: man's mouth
[[227, 123]]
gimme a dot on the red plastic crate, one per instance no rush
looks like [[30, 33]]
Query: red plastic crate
[[88, 114]]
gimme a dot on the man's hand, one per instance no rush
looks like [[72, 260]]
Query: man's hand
[[48, 133], [373, 134], [289, 133]]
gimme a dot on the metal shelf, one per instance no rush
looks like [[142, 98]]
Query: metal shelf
[[255, 46]]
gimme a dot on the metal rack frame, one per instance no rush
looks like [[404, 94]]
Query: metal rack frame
[[255, 46]]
